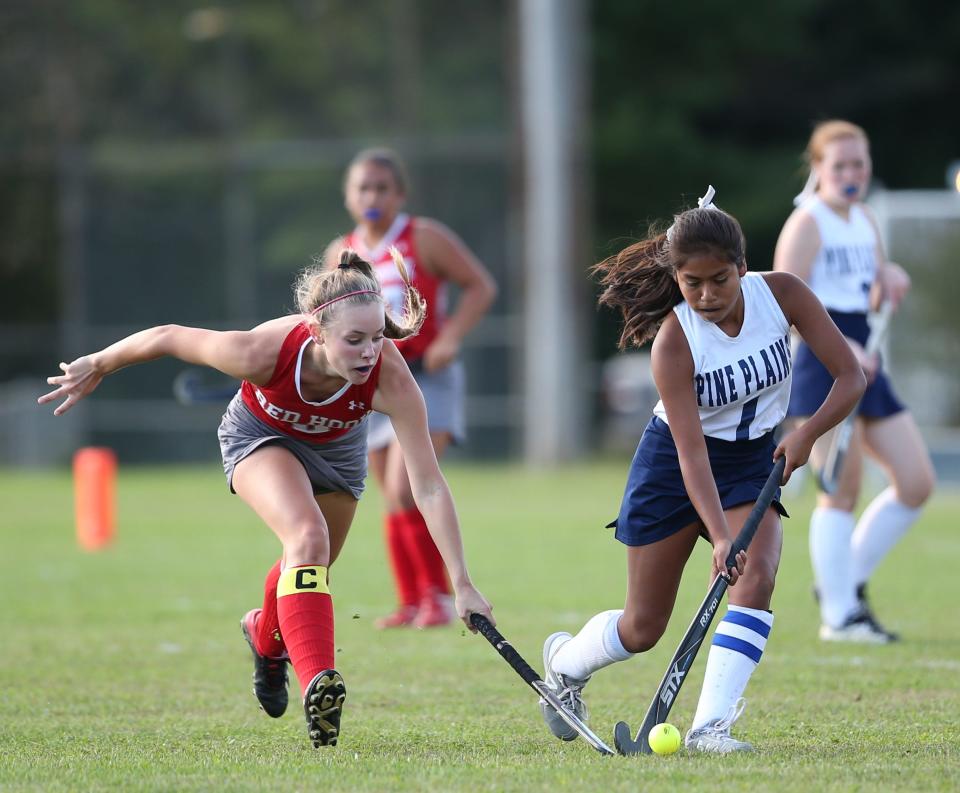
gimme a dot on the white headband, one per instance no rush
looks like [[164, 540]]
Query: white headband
[[706, 202]]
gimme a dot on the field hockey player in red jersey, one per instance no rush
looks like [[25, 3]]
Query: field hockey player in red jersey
[[293, 441], [375, 192]]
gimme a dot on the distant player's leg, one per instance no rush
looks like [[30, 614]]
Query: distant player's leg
[[831, 530], [895, 442], [401, 563], [274, 483], [738, 641], [261, 629], [653, 578], [431, 575]]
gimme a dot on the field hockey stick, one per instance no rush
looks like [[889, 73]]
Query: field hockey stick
[[522, 668], [189, 388], [829, 476], [683, 658]]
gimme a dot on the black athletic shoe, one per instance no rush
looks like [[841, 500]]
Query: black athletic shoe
[[864, 616], [322, 705], [868, 615], [269, 674]]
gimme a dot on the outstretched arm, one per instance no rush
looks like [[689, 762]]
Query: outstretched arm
[[249, 355], [399, 397]]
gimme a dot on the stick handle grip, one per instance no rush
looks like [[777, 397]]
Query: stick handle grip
[[757, 513], [502, 646]]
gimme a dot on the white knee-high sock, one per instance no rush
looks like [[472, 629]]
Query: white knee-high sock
[[737, 647], [882, 524], [830, 531], [596, 645]]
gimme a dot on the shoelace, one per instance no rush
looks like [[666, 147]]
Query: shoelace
[[570, 694], [722, 726]]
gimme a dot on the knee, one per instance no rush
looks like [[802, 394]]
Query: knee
[[755, 589], [917, 491], [640, 632], [308, 542], [398, 498], [844, 502]]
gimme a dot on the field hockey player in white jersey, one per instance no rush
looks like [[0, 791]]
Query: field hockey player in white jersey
[[721, 362], [832, 242]]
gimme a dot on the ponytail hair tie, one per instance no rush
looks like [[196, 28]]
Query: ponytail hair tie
[[704, 202]]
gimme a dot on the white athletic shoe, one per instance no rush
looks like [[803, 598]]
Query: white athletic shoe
[[566, 688], [714, 736], [857, 629]]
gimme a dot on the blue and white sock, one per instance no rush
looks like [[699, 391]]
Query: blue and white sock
[[596, 645], [737, 648]]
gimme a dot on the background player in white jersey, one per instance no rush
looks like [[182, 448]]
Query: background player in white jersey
[[722, 365], [375, 191], [832, 241]]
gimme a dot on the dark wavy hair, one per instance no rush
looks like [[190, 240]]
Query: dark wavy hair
[[640, 281]]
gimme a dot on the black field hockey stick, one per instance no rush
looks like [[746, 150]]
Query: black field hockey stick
[[191, 388], [522, 668], [829, 476], [683, 658]]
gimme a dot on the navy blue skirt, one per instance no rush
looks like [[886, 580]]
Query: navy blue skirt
[[812, 382], [655, 503]]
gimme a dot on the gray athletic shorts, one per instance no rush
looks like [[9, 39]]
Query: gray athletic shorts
[[337, 466], [443, 393]]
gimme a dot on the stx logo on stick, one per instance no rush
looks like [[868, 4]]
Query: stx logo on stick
[[674, 681]]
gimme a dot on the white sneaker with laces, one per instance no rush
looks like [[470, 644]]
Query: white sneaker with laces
[[566, 688], [714, 736]]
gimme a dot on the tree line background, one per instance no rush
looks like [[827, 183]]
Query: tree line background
[[681, 94]]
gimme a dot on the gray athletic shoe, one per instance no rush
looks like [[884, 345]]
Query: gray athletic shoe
[[714, 736], [566, 688], [858, 629]]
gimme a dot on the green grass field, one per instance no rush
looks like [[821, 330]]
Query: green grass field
[[125, 669]]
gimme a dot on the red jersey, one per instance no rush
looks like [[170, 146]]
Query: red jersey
[[280, 404], [433, 289]]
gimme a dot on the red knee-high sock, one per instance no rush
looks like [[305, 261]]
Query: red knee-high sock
[[305, 609], [402, 564], [431, 572], [268, 639]]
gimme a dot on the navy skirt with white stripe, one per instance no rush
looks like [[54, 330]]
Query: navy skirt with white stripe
[[655, 503], [812, 382]]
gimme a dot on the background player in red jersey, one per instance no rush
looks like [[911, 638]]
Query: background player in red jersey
[[375, 190], [294, 448]]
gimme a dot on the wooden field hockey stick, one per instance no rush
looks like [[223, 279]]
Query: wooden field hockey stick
[[683, 658], [829, 477], [522, 668]]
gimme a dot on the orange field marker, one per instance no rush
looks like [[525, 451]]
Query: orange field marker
[[94, 481]]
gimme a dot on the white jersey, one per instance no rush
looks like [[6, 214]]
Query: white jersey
[[846, 263], [742, 382]]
